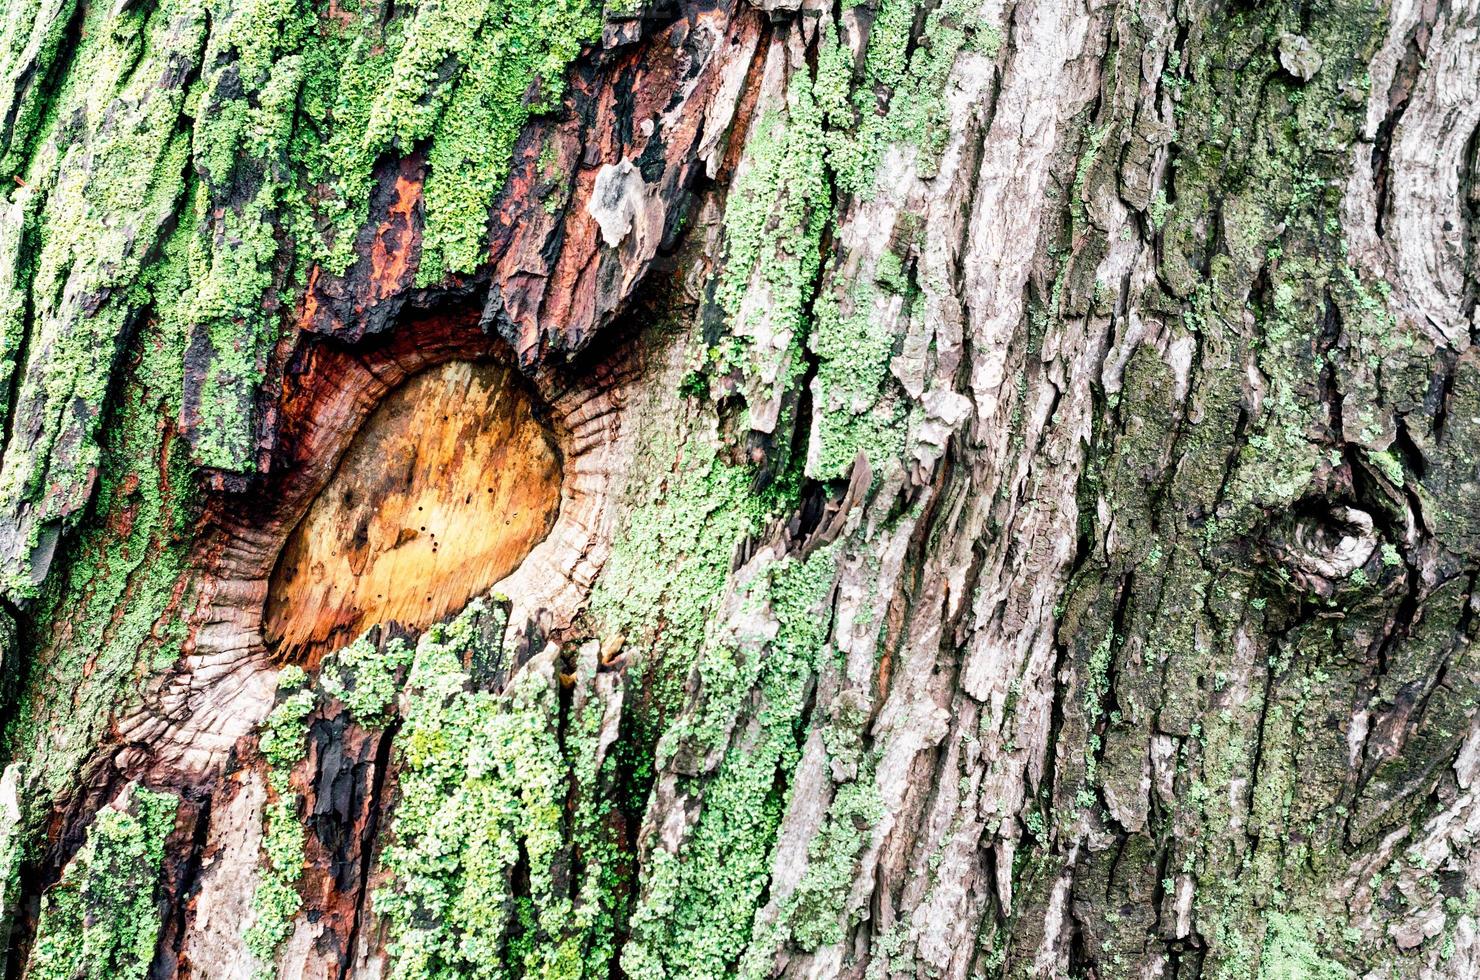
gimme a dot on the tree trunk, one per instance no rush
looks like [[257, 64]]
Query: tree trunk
[[740, 488]]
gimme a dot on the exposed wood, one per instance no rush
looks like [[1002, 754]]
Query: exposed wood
[[448, 484]]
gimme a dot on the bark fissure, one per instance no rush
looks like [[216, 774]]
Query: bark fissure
[[1015, 488]]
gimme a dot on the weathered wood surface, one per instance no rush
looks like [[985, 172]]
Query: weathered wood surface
[[1017, 489]]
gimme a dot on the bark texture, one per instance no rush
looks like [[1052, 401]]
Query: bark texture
[[1018, 476]]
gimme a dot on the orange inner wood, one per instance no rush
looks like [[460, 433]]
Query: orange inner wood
[[444, 490]]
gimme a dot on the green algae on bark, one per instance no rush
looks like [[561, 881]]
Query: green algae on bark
[[1206, 781], [1253, 682]]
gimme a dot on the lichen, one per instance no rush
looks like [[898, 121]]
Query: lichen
[[111, 614], [695, 915], [824, 141], [103, 214], [30, 42], [901, 100], [671, 558], [1293, 357], [240, 146], [855, 410], [102, 919], [774, 219], [294, 108], [12, 847], [484, 782], [512, 56], [283, 742], [1291, 953], [363, 677], [814, 914]]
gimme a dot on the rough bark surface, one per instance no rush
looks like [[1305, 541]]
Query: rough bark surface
[[966, 489]]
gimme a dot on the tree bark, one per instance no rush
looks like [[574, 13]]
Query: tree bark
[[740, 488]]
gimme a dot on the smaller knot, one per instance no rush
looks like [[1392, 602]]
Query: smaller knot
[[1326, 546], [1299, 57]]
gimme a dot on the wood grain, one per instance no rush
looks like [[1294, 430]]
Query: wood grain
[[447, 487]]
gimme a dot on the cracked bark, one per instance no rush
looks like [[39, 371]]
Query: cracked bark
[[1017, 471]]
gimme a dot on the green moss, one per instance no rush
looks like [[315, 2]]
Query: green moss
[[101, 920]]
